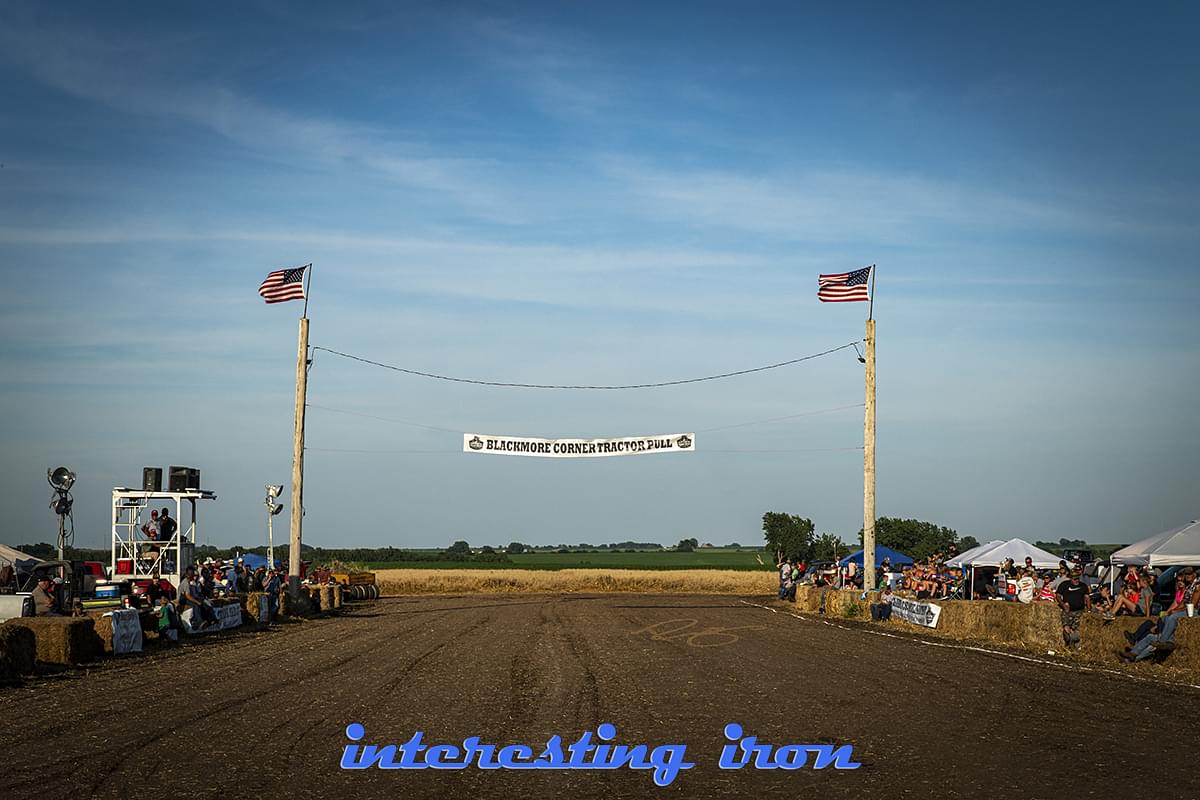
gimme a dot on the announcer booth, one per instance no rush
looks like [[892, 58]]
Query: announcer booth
[[136, 555]]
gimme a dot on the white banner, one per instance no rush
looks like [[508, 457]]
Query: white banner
[[229, 616], [578, 448], [926, 614], [127, 631]]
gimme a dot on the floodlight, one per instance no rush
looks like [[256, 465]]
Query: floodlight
[[861, 360], [274, 490], [61, 478], [276, 509]]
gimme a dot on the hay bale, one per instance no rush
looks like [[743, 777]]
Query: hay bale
[[103, 627], [1187, 647], [64, 640], [337, 596], [252, 603], [18, 651], [285, 604], [325, 602], [1102, 639]]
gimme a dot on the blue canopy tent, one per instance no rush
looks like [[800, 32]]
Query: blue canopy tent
[[253, 561], [897, 558]]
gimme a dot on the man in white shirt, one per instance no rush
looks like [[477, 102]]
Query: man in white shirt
[[1025, 586]]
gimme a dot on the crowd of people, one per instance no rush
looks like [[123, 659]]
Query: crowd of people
[[1136, 593]]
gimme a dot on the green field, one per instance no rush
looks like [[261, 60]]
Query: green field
[[716, 558]]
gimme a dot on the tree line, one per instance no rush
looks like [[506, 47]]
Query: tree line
[[794, 537]]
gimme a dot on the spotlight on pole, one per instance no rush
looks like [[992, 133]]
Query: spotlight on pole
[[861, 360], [62, 479], [273, 490]]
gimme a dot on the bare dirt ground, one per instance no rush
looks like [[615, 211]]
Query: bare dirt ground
[[268, 711]]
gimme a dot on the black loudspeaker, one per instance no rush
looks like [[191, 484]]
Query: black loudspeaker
[[151, 479], [184, 478]]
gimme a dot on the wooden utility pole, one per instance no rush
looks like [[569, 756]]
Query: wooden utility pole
[[297, 519], [869, 449]]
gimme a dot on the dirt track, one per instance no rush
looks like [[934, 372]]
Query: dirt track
[[269, 710]]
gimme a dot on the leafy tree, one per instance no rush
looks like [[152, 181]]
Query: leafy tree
[[829, 547], [966, 543], [788, 536], [687, 545], [913, 537], [515, 549], [459, 548]]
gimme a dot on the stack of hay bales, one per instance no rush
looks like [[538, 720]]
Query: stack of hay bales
[[104, 630], [252, 603], [18, 651], [1103, 639], [63, 640]]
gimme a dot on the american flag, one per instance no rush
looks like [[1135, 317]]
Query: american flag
[[284, 284], [844, 287]]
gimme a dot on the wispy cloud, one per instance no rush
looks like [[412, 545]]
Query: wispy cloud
[[132, 76], [824, 205]]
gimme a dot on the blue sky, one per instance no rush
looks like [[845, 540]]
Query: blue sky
[[604, 194]]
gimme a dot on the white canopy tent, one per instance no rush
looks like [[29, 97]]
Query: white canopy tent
[[1016, 549], [964, 558], [11, 555], [1178, 546]]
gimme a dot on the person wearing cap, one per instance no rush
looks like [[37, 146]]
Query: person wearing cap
[[166, 526], [1143, 643], [190, 595], [151, 527], [1074, 599], [43, 600]]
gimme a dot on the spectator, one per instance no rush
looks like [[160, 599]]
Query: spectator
[[190, 597], [43, 597], [271, 586], [151, 527], [882, 611], [1026, 584], [1133, 600], [166, 619], [1144, 643], [1062, 577], [1074, 599], [785, 572], [1045, 593], [166, 526]]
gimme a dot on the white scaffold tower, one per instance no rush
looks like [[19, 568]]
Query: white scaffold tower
[[136, 556]]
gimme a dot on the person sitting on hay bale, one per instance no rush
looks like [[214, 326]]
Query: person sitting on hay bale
[[167, 621], [43, 598], [1074, 599], [1144, 643], [190, 597], [882, 611], [1132, 601]]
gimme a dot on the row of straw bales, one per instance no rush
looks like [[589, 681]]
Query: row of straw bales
[[464, 581], [1036, 627], [24, 641], [1033, 627], [56, 640]]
